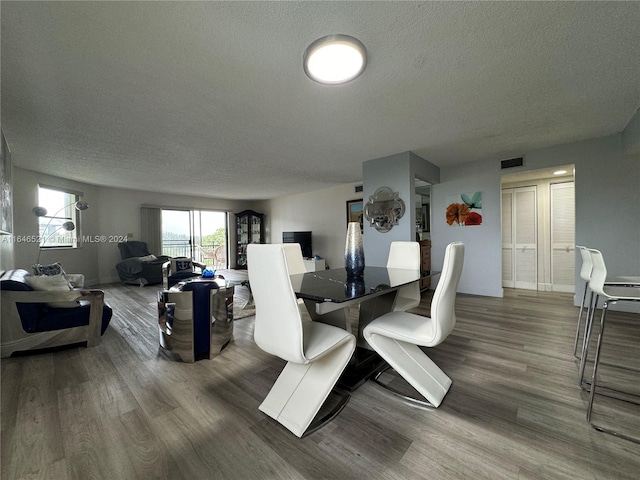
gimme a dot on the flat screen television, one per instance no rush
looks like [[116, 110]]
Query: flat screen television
[[303, 238]]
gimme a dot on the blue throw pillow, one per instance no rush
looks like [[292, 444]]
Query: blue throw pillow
[[179, 265]]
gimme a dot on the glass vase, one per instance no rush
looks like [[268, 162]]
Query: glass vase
[[354, 251]]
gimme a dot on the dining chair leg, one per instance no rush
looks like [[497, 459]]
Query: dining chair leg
[[414, 366], [301, 390], [398, 392]]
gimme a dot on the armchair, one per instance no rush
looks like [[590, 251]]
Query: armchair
[[138, 265], [41, 319], [178, 269]]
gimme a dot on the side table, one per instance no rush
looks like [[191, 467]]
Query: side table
[[195, 318]]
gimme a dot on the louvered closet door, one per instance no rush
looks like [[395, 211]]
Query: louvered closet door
[[508, 278], [562, 237], [525, 238], [519, 238]]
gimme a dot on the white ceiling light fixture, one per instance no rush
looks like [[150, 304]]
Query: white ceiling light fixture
[[559, 172], [335, 59]]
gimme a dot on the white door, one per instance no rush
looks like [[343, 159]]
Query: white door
[[508, 279], [519, 246], [562, 237], [525, 221]]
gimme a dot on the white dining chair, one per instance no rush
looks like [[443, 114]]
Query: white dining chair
[[610, 295], [398, 336], [405, 255], [586, 271], [316, 353], [585, 274]]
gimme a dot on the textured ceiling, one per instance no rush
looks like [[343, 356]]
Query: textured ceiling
[[210, 98]]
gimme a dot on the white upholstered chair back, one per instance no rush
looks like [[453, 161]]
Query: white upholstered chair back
[[443, 312], [405, 255], [587, 263], [598, 274], [293, 253], [278, 325]]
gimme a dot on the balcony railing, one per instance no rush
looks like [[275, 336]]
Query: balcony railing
[[212, 255]]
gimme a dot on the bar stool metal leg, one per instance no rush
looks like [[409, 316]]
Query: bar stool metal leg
[[592, 392], [593, 303], [575, 342]]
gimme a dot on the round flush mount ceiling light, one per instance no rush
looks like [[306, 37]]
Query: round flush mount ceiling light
[[335, 59]]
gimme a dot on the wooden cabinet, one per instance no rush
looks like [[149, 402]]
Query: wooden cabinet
[[425, 262], [249, 229]]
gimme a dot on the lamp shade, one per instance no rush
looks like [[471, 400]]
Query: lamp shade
[[39, 211]]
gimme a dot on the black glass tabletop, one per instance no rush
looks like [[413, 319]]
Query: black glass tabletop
[[334, 286]]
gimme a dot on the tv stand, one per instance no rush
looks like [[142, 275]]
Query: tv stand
[[313, 265]]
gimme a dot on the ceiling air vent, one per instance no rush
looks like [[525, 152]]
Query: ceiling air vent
[[512, 162], [358, 188]]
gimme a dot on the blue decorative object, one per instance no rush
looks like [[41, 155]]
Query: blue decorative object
[[208, 273], [354, 251]]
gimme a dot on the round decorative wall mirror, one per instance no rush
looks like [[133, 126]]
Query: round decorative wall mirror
[[384, 209]]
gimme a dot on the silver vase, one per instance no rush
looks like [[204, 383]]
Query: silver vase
[[354, 251]]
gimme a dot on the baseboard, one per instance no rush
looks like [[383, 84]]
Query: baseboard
[[101, 280]]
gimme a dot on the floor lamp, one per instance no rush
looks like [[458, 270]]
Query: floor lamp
[[68, 226]]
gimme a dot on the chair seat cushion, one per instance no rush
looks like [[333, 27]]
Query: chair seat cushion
[[183, 275], [40, 317], [61, 318], [403, 326], [320, 338]]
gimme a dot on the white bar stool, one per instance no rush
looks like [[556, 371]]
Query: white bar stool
[[611, 295]]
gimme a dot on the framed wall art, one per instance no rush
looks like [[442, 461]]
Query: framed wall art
[[354, 212], [464, 210], [6, 189]]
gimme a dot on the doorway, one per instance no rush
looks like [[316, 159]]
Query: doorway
[[538, 230], [198, 234]]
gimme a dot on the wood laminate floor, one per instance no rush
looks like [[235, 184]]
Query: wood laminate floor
[[125, 410]]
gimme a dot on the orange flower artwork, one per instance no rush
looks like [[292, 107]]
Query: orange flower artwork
[[457, 212], [464, 209]]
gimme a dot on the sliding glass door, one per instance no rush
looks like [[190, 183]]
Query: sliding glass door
[[197, 234]]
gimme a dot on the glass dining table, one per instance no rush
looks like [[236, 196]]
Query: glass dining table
[[328, 295]]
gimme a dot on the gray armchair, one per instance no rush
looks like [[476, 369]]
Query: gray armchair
[[138, 266], [178, 269]]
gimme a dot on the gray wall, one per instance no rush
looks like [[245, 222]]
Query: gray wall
[[323, 212], [607, 198], [482, 271], [81, 260], [113, 212], [394, 172], [398, 173]]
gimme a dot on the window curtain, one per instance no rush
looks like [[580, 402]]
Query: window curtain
[[151, 218]]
